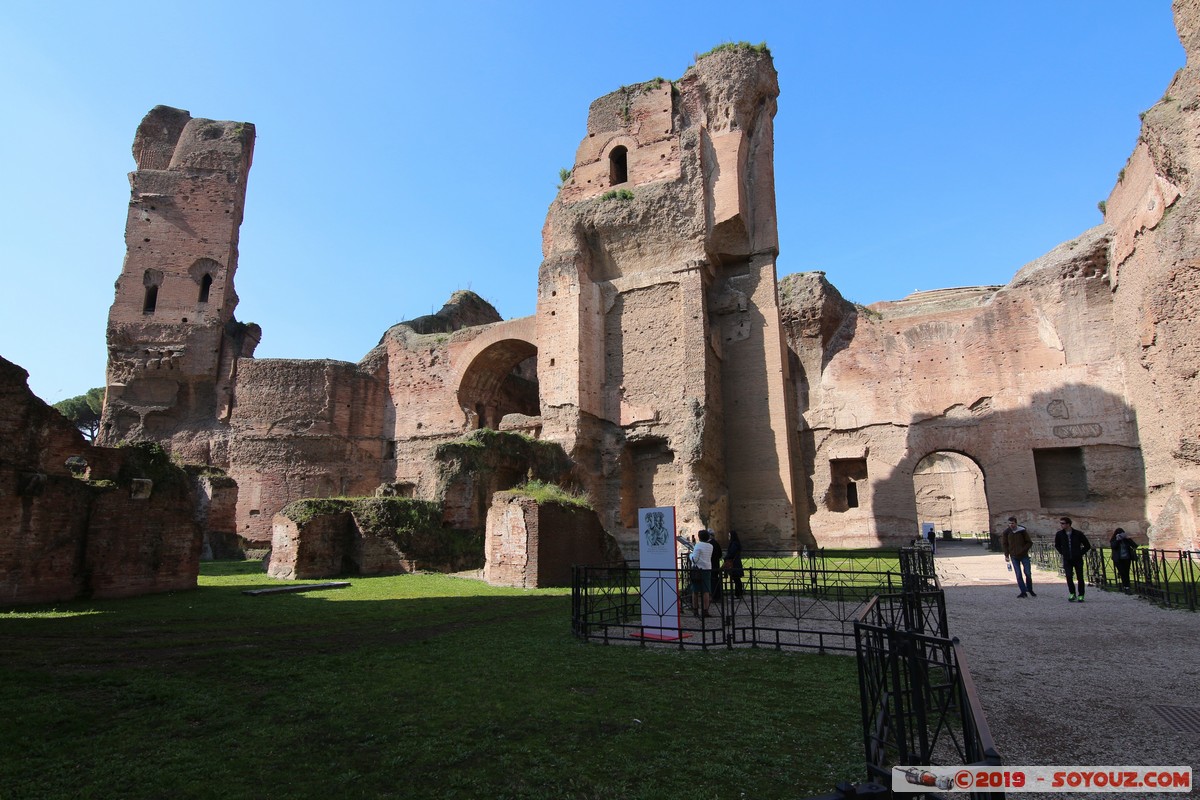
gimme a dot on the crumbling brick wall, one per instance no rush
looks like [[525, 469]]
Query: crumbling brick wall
[[533, 545], [130, 529]]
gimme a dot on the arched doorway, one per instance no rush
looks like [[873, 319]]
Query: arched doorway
[[950, 493], [501, 379]]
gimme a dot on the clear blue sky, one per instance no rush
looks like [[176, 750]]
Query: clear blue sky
[[408, 150]]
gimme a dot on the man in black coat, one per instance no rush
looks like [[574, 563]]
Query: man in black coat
[[1072, 545], [716, 567]]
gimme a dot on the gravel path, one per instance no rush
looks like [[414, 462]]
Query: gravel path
[[1073, 684]]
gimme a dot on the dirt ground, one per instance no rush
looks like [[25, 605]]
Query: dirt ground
[[1074, 684]]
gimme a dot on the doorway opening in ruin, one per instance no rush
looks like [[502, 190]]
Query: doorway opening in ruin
[[618, 165], [205, 288], [501, 380], [1061, 476], [950, 492], [845, 477]]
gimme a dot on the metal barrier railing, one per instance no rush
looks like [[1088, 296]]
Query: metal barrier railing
[[919, 704], [808, 603], [1168, 577]]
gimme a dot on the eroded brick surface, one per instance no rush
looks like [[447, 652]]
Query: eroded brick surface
[[672, 366]]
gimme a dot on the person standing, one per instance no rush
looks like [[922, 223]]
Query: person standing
[[715, 572], [701, 558], [733, 564], [1123, 551], [1017, 543], [1072, 545]]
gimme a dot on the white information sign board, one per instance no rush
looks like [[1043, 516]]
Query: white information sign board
[[659, 562]]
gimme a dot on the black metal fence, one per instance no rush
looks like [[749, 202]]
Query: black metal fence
[[1168, 577], [919, 704], [783, 601]]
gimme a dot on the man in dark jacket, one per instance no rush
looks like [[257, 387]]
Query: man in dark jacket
[[1072, 545], [716, 568], [1017, 542]]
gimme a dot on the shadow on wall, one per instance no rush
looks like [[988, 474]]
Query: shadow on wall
[[1072, 450]]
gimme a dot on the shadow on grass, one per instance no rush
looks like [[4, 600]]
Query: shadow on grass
[[414, 686]]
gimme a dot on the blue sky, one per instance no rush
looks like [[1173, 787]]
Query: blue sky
[[408, 150]]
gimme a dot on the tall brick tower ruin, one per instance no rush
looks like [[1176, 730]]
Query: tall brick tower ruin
[[661, 360], [669, 363], [173, 341]]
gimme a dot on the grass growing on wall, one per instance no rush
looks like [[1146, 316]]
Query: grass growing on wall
[[417, 686], [550, 493]]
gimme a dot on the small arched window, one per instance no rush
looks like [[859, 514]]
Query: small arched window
[[205, 285], [618, 165], [151, 280]]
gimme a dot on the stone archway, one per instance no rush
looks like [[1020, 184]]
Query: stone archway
[[950, 492], [500, 379]]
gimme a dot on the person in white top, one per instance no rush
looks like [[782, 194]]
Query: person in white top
[[701, 558]]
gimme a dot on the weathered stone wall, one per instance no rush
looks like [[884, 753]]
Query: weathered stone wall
[[471, 469], [62, 537], [673, 368], [1155, 277], [995, 374], [216, 513], [317, 548], [173, 340], [670, 209], [368, 536], [531, 545], [303, 429]]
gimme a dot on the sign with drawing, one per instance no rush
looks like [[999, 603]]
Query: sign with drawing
[[659, 563]]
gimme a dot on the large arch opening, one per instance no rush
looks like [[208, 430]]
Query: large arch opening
[[950, 492], [501, 380]]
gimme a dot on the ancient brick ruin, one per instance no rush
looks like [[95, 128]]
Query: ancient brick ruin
[[667, 366], [83, 521]]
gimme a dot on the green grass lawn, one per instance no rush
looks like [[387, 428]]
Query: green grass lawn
[[410, 686]]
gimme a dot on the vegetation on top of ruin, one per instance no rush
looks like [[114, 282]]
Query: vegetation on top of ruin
[[307, 509], [148, 461], [869, 313], [486, 450], [564, 175], [617, 194], [414, 526], [215, 475], [761, 47], [386, 515], [647, 86], [552, 494]]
